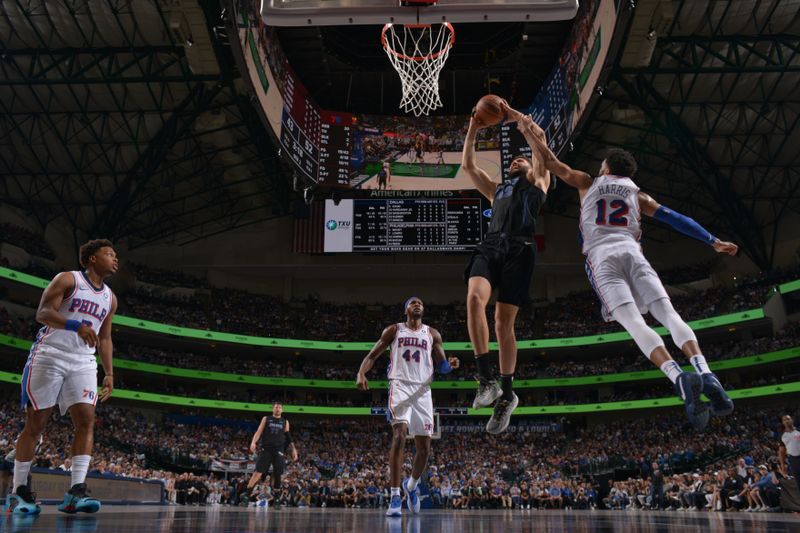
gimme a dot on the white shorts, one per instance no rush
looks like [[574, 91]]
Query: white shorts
[[53, 377], [620, 275], [411, 404]]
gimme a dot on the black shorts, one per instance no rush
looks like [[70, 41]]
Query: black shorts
[[271, 457], [507, 262]]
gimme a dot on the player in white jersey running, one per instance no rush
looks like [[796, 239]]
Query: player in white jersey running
[[416, 350], [610, 225], [76, 311]]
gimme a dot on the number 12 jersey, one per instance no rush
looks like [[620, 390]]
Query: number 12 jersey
[[610, 213]]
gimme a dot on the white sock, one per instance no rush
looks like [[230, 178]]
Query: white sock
[[21, 471], [412, 483], [672, 370], [80, 465], [395, 491], [700, 365]]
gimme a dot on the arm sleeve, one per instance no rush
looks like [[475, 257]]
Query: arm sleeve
[[287, 444], [686, 225]]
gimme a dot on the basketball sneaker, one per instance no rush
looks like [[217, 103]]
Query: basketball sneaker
[[76, 500], [23, 502], [689, 386], [721, 404], [488, 391], [412, 497], [501, 415], [395, 506]]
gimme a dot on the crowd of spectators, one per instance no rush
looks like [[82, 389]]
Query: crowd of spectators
[[579, 313], [268, 316], [165, 276], [29, 241], [343, 462], [15, 326], [788, 337], [230, 362], [624, 391], [686, 273]]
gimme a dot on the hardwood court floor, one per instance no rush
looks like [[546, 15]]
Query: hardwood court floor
[[163, 519]]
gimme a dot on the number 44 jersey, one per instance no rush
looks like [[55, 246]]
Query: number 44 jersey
[[411, 356], [610, 213]]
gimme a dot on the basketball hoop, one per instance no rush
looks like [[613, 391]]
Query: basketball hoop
[[418, 53]]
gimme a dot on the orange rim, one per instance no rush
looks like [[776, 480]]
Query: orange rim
[[450, 42]]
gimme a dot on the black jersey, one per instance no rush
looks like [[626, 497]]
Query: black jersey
[[274, 435], [516, 204]]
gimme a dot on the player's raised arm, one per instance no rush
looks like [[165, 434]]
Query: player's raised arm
[[541, 176], [535, 136], [479, 177], [686, 225], [380, 347], [444, 364]]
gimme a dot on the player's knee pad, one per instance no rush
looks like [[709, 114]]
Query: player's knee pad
[[663, 311], [629, 317]]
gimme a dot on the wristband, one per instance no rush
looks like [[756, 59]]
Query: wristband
[[73, 325], [444, 367]]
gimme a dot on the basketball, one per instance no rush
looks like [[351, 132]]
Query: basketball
[[488, 110]]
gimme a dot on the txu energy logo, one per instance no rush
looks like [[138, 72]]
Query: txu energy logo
[[334, 224]]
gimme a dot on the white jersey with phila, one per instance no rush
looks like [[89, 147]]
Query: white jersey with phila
[[411, 355], [87, 304]]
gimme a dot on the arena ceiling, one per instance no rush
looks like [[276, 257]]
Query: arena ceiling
[[706, 94], [129, 118]]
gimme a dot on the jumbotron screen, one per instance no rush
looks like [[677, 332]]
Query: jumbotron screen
[[404, 224], [341, 149]]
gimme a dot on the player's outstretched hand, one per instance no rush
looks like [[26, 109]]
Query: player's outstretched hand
[[294, 454], [512, 114], [533, 127], [525, 123], [107, 389], [455, 362], [252, 448], [474, 123], [362, 383], [87, 334], [724, 247]]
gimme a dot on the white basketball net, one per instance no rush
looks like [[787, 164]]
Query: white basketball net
[[418, 53]]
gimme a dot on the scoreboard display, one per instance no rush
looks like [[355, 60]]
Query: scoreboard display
[[317, 141], [405, 225], [512, 143]]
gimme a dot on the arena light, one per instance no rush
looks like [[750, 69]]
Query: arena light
[[653, 403], [548, 383], [791, 286], [455, 346]]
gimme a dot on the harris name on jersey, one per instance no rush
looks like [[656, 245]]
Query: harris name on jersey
[[615, 189]]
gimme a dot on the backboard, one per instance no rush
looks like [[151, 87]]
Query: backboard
[[345, 12]]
